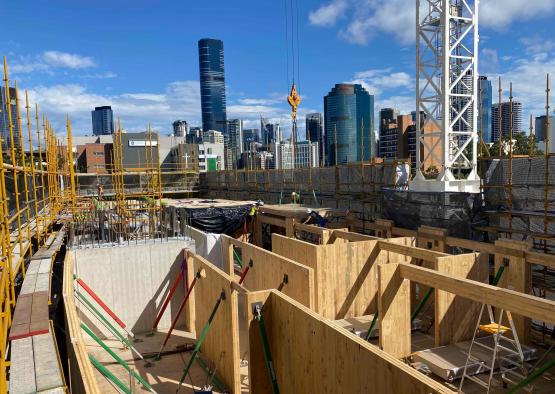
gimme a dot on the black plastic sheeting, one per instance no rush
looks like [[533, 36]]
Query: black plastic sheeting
[[218, 220], [457, 212]]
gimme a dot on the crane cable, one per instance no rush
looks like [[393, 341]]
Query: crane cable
[[294, 100]]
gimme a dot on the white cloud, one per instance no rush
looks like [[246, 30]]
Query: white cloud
[[405, 104], [377, 81], [500, 14], [181, 99], [50, 60], [368, 18], [257, 101], [528, 76], [328, 14], [106, 75], [488, 61], [537, 44], [67, 60]]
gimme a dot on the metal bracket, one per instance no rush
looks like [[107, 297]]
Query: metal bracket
[[256, 308]]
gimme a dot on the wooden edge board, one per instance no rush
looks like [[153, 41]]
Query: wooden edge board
[[74, 330], [471, 245], [353, 237], [540, 258], [412, 251], [519, 303]]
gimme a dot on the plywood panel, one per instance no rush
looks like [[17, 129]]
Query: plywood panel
[[221, 345], [394, 311], [313, 355], [269, 269], [455, 316], [516, 276], [345, 274]]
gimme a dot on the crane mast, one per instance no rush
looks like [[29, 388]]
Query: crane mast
[[446, 96]]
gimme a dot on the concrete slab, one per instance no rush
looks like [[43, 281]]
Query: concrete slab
[[45, 266], [22, 371], [33, 267], [29, 283], [43, 282], [48, 374]]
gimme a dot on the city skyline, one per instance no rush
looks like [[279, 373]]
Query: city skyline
[[99, 75]]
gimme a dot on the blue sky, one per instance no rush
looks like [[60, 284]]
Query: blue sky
[[141, 56]]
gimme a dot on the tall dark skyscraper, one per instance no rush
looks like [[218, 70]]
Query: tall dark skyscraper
[[103, 120], [348, 112], [484, 108], [212, 84], [315, 133]]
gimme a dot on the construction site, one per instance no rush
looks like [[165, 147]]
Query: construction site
[[356, 278]]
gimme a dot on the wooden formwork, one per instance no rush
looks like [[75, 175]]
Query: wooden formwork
[[314, 355], [517, 258], [310, 352], [221, 345], [346, 272], [338, 268], [269, 270]]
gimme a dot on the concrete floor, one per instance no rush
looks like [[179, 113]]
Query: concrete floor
[[163, 375], [544, 385]]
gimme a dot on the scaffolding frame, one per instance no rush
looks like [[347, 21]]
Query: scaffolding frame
[[27, 210]]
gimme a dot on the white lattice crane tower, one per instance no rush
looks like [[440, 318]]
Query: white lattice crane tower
[[446, 95]]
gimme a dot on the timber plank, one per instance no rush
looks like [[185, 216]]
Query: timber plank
[[523, 304]]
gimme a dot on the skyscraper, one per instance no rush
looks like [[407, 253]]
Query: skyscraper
[[315, 133], [484, 108], [269, 132], [505, 119], [212, 84], [103, 120], [4, 119], [180, 128], [388, 133], [539, 130], [250, 136], [348, 112], [235, 141]]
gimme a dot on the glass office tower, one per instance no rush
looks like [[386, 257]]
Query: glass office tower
[[348, 112], [212, 85]]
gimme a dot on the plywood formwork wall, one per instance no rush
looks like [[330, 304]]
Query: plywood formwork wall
[[455, 316], [340, 271], [272, 271], [221, 345], [313, 355]]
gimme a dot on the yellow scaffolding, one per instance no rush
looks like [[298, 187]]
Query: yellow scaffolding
[[20, 224]]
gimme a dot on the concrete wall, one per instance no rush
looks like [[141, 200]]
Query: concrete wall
[[207, 245], [133, 281]]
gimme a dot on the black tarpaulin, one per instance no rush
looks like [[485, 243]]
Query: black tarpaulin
[[218, 220]]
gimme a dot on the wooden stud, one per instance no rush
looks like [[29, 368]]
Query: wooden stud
[[455, 316], [517, 276], [394, 311]]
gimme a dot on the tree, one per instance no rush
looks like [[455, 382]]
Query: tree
[[521, 146]]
